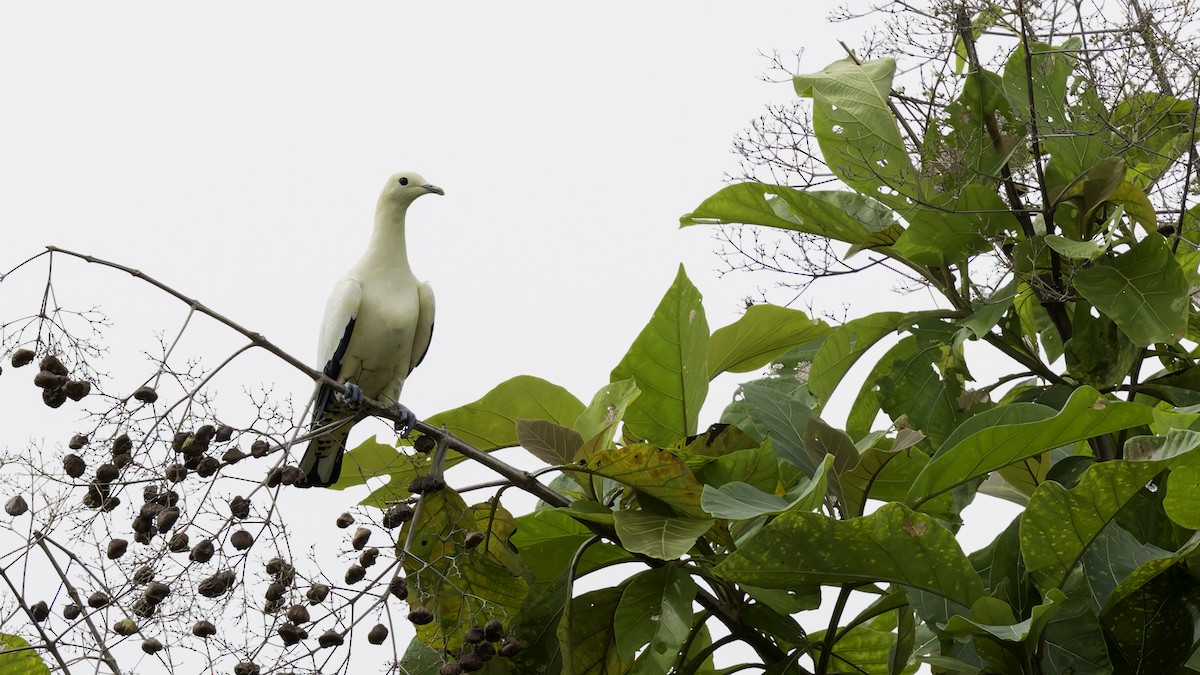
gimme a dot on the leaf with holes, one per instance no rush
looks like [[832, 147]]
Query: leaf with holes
[[655, 610], [1142, 290]]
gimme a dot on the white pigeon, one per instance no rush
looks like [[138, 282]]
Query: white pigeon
[[377, 327]]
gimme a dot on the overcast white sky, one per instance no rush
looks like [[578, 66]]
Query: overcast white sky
[[237, 155]]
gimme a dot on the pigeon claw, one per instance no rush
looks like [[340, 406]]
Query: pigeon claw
[[406, 420], [353, 397]]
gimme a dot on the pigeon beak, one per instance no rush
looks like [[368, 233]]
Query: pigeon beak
[[434, 189]]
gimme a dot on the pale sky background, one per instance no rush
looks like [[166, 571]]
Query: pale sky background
[[237, 155]]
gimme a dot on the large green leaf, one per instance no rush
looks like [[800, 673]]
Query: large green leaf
[[552, 443], [548, 540], [761, 334], [462, 587], [968, 153], [1028, 631], [845, 216], [655, 610], [1143, 290], [946, 236], [1152, 630], [847, 343], [23, 662], [667, 360], [741, 501], [862, 650], [1085, 414], [1074, 640], [491, 422], [894, 544], [1098, 354], [587, 635], [1047, 88], [858, 136], [661, 537], [653, 471], [607, 408], [781, 408], [925, 380]]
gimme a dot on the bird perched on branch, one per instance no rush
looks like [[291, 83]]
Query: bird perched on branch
[[377, 327]]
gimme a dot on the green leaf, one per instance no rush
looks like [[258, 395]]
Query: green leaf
[[925, 380], [587, 636], [462, 587], [655, 610], [491, 422], [1074, 638], [858, 136], [761, 334], [1052, 67], [1143, 290], [1152, 631], [740, 501], [861, 650], [667, 360], [968, 154], [1098, 354], [845, 216], [654, 471], [893, 544], [24, 662], [757, 466], [548, 539], [989, 312], [782, 409], [1059, 524], [1076, 250], [1028, 631], [419, 659], [607, 408], [946, 236], [657, 536], [846, 343], [552, 443], [1085, 414]]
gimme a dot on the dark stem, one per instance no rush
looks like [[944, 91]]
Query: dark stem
[[831, 633]]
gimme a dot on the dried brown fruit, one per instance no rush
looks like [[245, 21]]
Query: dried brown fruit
[[317, 593], [74, 466], [275, 566], [53, 398], [274, 477], [239, 507], [144, 538], [122, 445], [125, 627], [167, 498], [290, 475], [77, 389], [107, 473], [298, 614], [241, 540], [485, 651], [397, 516], [110, 503], [473, 635], [493, 630], [152, 645], [77, 441], [181, 439], [345, 520], [275, 591], [424, 444], [233, 456], [52, 364], [166, 518], [143, 575], [291, 633], [176, 473], [377, 634], [208, 466], [22, 357], [116, 548], [450, 668], [217, 584], [471, 662], [40, 611], [205, 433], [473, 539], [48, 380], [260, 448], [121, 461], [156, 592], [246, 668], [355, 574], [71, 612], [178, 543], [422, 484], [368, 557], [203, 551], [204, 629], [510, 648], [224, 433], [98, 599], [330, 638], [359, 540], [420, 616], [398, 587], [16, 506]]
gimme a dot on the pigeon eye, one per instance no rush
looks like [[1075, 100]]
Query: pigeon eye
[[404, 181]]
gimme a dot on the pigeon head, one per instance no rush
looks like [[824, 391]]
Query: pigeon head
[[404, 187]]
